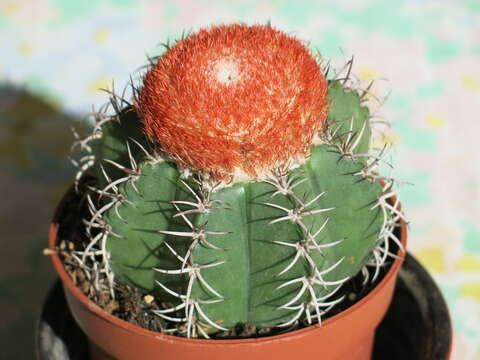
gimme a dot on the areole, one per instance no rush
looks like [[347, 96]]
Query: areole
[[348, 334]]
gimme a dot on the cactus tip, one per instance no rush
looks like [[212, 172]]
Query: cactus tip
[[249, 97]]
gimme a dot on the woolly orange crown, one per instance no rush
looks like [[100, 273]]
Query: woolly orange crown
[[234, 99]]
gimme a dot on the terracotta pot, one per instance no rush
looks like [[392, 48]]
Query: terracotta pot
[[347, 335]]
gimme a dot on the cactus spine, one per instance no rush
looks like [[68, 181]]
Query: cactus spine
[[171, 215]]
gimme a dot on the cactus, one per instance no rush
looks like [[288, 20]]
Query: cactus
[[238, 185]]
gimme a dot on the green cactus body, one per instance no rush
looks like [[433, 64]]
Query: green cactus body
[[238, 245]]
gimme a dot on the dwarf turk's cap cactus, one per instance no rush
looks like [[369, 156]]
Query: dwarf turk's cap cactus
[[227, 192]]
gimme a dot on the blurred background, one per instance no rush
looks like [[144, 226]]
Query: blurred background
[[425, 55]]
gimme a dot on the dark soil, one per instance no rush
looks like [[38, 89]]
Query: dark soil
[[131, 305]]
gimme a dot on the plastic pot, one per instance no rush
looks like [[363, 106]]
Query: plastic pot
[[416, 300], [347, 335]]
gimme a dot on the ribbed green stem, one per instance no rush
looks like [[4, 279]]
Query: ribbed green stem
[[253, 223]]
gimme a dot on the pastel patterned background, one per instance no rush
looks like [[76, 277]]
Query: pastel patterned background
[[56, 54]]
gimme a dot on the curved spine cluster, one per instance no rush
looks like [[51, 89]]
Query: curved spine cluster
[[94, 259], [313, 276], [195, 319]]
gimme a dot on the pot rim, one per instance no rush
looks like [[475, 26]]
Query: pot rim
[[97, 310]]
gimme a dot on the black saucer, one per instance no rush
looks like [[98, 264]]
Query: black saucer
[[416, 327]]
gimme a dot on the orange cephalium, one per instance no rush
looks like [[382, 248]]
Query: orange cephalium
[[234, 98]]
